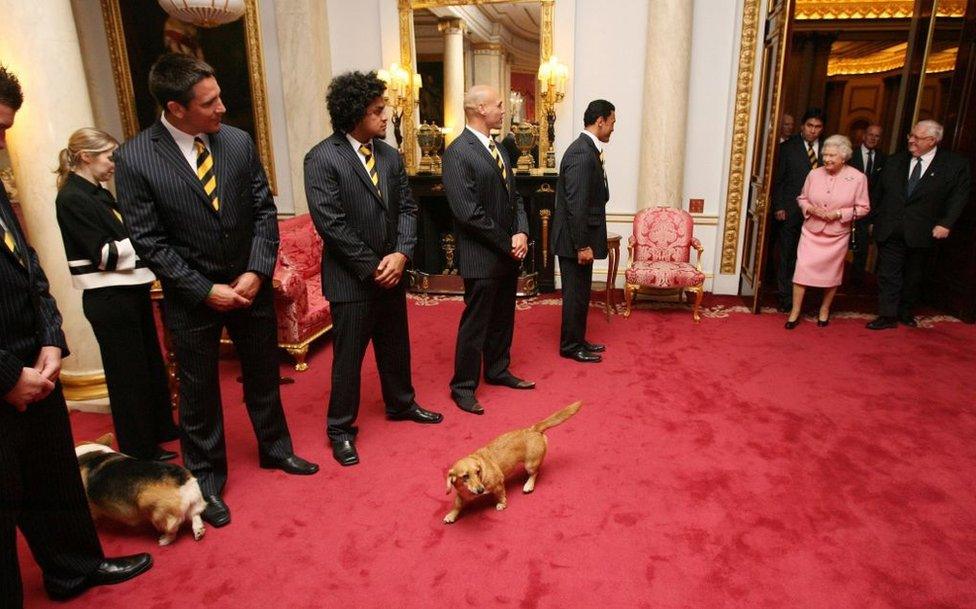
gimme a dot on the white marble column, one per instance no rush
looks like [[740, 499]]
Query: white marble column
[[489, 66], [665, 106], [39, 43], [453, 30]]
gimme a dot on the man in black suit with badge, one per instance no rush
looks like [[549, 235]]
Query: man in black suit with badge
[[362, 207], [920, 195], [869, 160], [41, 492], [579, 228], [492, 239], [200, 213], [798, 155]]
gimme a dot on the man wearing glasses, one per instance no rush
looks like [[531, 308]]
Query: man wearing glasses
[[921, 193]]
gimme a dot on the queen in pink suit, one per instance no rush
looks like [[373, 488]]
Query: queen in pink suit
[[832, 197]]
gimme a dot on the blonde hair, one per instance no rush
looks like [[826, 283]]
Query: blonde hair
[[86, 139]]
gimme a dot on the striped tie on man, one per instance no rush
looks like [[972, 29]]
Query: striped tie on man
[[498, 160], [11, 243], [205, 171], [812, 155], [367, 151]]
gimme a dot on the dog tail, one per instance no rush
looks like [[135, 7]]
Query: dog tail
[[558, 417]]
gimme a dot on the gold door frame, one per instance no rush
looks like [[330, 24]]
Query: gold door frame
[[406, 8], [125, 94]]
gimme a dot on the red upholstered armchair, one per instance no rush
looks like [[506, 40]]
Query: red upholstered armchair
[[303, 312], [660, 250]]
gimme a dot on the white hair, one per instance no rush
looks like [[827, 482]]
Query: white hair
[[841, 144], [933, 128]]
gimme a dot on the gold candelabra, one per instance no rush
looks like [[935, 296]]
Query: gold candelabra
[[399, 85], [552, 83]]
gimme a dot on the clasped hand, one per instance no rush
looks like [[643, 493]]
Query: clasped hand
[[37, 382], [520, 246], [238, 294], [390, 270]]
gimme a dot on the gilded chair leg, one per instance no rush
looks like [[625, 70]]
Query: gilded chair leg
[[699, 292], [299, 353], [628, 297]]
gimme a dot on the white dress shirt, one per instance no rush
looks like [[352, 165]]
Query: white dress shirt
[[864, 157], [362, 157], [596, 140], [926, 161], [184, 141], [816, 146]]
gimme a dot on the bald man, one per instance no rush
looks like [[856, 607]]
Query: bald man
[[492, 240]]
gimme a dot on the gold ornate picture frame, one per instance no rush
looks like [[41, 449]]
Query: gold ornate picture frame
[[238, 60]]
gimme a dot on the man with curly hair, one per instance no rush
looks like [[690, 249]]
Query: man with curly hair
[[492, 238], [361, 204]]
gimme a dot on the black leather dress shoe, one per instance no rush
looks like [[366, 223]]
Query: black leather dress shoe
[[881, 323], [417, 415], [594, 347], [583, 356], [111, 571], [513, 382], [469, 405], [908, 320], [292, 464], [789, 325], [164, 455], [216, 513], [344, 451]]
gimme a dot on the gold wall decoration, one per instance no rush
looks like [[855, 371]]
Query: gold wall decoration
[[892, 58], [740, 136], [81, 387], [871, 9], [122, 75]]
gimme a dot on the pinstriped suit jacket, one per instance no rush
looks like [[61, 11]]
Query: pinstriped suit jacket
[[486, 213], [172, 224], [357, 225], [29, 316]]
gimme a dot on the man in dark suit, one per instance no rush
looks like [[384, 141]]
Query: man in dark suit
[[920, 195], [361, 204], [40, 486], [579, 227], [492, 239], [797, 156], [200, 213], [869, 160]]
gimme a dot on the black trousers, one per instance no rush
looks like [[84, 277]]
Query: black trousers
[[789, 239], [122, 319], [41, 493], [900, 272], [577, 282], [384, 321], [196, 340], [485, 333]]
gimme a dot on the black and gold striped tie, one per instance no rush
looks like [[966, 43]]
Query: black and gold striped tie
[[367, 151], [205, 171], [498, 160], [11, 243], [811, 155]]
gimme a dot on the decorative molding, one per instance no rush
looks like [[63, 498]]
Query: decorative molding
[[892, 58], [871, 9], [80, 387], [740, 136], [119, 55]]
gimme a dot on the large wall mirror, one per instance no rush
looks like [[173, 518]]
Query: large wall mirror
[[453, 44]]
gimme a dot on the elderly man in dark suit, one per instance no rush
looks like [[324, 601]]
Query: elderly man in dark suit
[[361, 204], [579, 227], [869, 159], [200, 213], [797, 156], [40, 486], [920, 195], [492, 239]]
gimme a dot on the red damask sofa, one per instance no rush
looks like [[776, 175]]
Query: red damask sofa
[[303, 312]]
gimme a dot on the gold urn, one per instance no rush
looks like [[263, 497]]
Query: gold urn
[[526, 137]]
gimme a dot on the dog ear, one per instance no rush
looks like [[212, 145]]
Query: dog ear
[[451, 477]]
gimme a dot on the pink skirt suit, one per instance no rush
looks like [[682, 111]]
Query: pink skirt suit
[[823, 243]]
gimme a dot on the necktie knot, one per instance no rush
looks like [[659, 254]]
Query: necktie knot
[[199, 145], [366, 150]]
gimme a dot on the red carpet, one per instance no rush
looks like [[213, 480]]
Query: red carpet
[[726, 464]]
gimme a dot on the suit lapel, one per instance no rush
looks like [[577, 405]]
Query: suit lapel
[[220, 168], [485, 155], [345, 149], [10, 220], [588, 144], [934, 168], [166, 147]]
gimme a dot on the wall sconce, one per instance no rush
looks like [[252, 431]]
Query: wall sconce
[[400, 85], [553, 77], [515, 105]]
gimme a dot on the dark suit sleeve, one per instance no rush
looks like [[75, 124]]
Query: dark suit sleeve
[[325, 206], [79, 224], [578, 176], [10, 370], [49, 322], [407, 223], [149, 236], [264, 244], [469, 213], [779, 179], [958, 196]]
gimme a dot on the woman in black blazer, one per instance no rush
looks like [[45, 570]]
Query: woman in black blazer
[[116, 295]]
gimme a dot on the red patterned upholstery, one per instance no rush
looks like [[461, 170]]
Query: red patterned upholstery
[[660, 254], [303, 312]]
